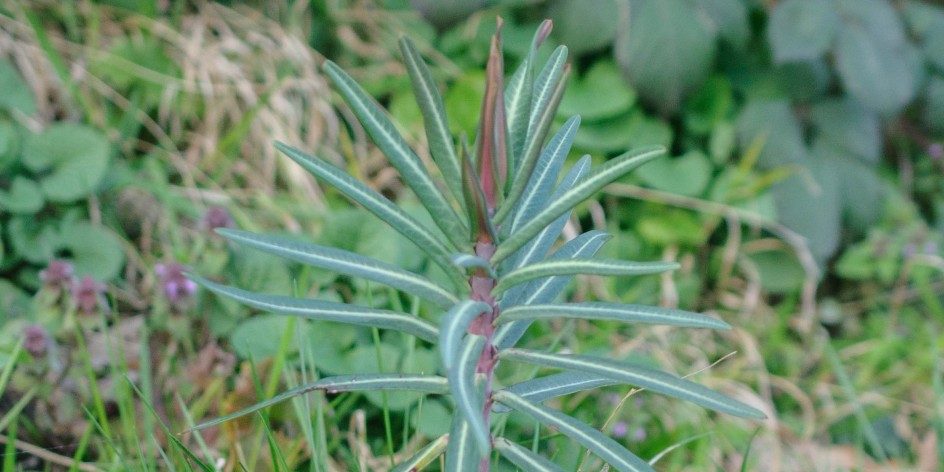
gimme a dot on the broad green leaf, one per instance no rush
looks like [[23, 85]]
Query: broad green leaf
[[599, 94], [259, 337], [71, 160], [580, 266], [555, 385], [638, 376], [466, 392], [613, 312], [24, 197], [802, 29], [876, 73], [377, 204], [548, 90], [687, 175], [525, 459], [623, 132], [32, 239], [780, 272], [441, 145], [844, 123], [583, 189], [387, 358], [809, 203], [772, 122], [455, 323], [92, 250], [431, 384], [328, 311], [424, 457], [584, 29], [462, 452], [934, 112], [860, 190], [545, 174], [347, 263], [400, 155], [543, 291], [16, 95], [591, 438], [665, 51], [729, 19]]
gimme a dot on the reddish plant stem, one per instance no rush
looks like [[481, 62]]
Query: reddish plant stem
[[482, 285]]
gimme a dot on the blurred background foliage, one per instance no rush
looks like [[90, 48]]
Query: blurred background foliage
[[805, 190]]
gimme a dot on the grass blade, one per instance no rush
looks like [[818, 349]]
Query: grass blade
[[583, 189], [441, 146], [469, 401], [377, 204], [524, 458], [432, 384], [612, 312], [553, 268], [347, 263], [425, 456], [407, 163], [644, 377], [550, 386], [328, 311], [594, 440], [454, 325]]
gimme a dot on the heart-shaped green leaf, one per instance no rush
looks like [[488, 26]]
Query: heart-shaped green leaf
[[73, 159]]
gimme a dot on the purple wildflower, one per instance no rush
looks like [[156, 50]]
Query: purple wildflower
[[216, 217], [35, 340], [936, 150], [620, 429], [639, 435], [174, 284], [87, 294], [57, 274]]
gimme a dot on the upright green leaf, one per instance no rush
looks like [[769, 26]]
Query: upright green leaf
[[377, 204], [463, 452], [454, 325], [639, 376], [347, 263], [468, 398], [591, 438], [580, 266], [583, 189], [424, 457], [328, 311], [613, 312], [403, 158], [441, 146], [524, 458]]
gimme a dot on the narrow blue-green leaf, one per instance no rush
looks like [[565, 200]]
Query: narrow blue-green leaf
[[377, 204], [545, 174], [518, 95], [612, 312], [462, 453], [544, 103], [657, 381], [583, 189], [424, 457], [524, 458], [328, 311], [400, 155], [580, 266], [555, 385], [347, 263], [468, 261], [453, 327], [591, 438], [469, 400], [432, 384], [441, 146], [539, 246], [543, 291]]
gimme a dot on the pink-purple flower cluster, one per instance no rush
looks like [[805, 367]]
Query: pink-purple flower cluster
[[174, 284], [87, 293]]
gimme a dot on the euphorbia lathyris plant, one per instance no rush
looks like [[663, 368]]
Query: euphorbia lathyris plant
[[498, 214]]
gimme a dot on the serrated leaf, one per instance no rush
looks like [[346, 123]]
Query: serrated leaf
[[543, 291], [644, 377], [424, 457], [545, 174], [591, 438], [582, 189], [462, 453], [400, 155], [579, 266], [431, 384], [469, 400], [555, 385], [347, 263], [453, 327], [328, 311], [524, 458], [802, 29], [612, 312], [441, 145], [377, 204]]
